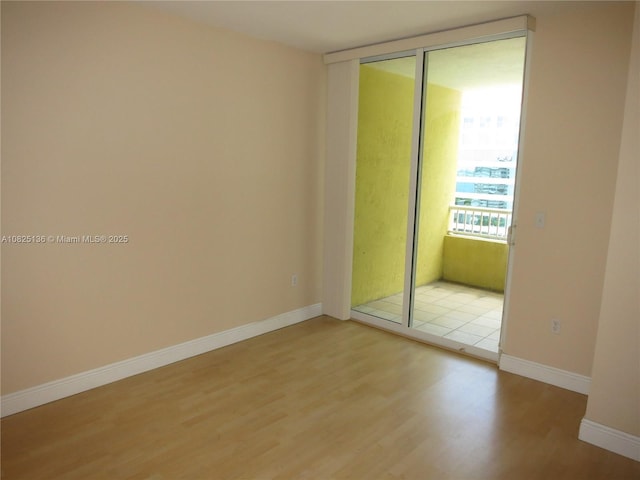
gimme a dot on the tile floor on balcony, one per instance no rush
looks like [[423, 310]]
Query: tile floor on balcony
[[465, 314]]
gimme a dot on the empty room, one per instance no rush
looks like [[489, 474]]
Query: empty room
[[318, 239]]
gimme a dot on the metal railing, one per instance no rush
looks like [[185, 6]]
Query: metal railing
[[479, 221]]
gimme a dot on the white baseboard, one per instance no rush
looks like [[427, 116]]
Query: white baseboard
[[553, 376], [64, 387], [610, 439]]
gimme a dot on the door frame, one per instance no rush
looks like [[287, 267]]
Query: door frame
[[342, 111]]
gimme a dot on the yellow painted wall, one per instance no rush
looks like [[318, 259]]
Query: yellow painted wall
[[385, 116], [438, 179], [475, 261], [382, 182]]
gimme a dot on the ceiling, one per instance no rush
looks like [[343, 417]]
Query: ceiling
[[329, 26]]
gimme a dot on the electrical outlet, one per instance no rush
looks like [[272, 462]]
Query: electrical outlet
[[294, 280], [540, 219], [555, 326]]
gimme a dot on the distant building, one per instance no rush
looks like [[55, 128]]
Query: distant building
[[487, 155]]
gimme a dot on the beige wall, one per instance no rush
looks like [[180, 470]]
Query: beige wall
[[203, 146], [569, 158], [614, 399]]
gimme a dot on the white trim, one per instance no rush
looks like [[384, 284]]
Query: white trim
[[339, 186], [515, 209], [471, 33], [553, 376], [610, 439], [411, 238], [350, 210], [65, 387]]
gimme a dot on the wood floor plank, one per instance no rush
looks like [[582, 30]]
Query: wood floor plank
[[321, 399]]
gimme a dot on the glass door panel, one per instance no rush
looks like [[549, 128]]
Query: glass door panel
[[466, 180], [383, 163]]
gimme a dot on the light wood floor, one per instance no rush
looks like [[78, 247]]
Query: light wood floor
[[322, 399]]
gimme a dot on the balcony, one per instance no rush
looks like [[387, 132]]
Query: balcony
[[465, 304], [475, 248]]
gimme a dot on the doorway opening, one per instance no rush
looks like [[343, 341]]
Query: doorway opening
[[437, 152]]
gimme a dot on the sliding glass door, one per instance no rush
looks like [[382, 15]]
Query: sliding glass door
[[431, 222], [385, 131]]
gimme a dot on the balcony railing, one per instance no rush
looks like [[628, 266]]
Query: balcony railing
[[479, 221]]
